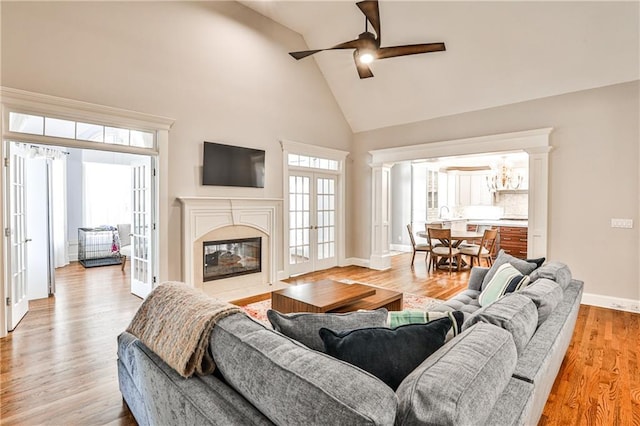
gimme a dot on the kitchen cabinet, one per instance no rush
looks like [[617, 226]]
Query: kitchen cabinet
[[513, 240], [470, 189]]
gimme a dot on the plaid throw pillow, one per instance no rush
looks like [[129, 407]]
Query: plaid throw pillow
[[398, 318]]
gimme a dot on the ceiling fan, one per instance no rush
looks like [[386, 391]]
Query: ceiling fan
[[367, 46]]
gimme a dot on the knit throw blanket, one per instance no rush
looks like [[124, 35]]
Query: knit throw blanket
[[175, 322]]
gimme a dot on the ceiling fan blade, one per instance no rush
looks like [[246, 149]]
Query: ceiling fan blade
[[363, 69], [409, 49], [304, 53], [353, 44], [371, 10]]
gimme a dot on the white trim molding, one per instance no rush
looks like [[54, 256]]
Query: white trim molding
[[292, 147], [52, 106], [610, 302], [356, 261], [312, 150], [380, 216], [504, 142], [30, 102], [535, 142]]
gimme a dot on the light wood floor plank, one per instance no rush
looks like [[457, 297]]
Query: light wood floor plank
[[59, 366]]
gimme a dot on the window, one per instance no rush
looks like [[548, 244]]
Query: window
[[106, 189], [312, 162], [68, 129]]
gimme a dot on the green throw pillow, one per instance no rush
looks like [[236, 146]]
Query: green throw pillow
[[398, 318], [507, 279]]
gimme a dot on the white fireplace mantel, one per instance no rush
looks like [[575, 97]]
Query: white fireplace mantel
[[202, 215]]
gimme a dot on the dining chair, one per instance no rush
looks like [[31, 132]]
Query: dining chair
[[484, 250], [417, 247], [432, 244], [446, 250]]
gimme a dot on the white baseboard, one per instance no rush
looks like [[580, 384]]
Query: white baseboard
[[617, 303], [281, 276], [356, 262], [401, 247]]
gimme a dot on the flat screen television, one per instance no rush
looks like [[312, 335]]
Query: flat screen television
[[226, 165]]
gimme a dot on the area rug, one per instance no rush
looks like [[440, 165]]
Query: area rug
[[258, 310]]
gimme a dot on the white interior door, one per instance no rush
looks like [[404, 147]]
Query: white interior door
[[141, 229], [37, 224], [312, 222], [18, 303]]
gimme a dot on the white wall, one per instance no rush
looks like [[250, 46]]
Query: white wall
[[219, 69], [594, 176]]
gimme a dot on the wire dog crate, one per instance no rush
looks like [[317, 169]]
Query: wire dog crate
[[98, 246]]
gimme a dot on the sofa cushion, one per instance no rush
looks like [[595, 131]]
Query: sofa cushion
[[398, 318], [507, 279], [546, 295], [199, 400], [466, 301], [461, 382], [555, 271], [292, 384], [304, 327], [515, 313], [524, 267], [388, 353]]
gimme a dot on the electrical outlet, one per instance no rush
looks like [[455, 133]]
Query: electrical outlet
[[622, 223]]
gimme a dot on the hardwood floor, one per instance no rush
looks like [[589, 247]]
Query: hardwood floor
[[59, 365]]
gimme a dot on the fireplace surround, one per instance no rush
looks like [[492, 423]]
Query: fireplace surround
[[222, 219]]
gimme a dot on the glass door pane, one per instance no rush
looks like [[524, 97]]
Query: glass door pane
[[299, 223], [141, 271]]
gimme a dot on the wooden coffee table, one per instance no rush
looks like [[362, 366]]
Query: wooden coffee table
[[334, 296]]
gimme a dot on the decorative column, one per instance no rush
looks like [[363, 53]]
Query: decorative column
[[381, 216], [538, 200]]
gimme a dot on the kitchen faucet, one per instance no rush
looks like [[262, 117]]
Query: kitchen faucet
[[440, 216]]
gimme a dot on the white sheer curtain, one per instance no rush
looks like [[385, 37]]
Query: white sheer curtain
[[107, 194], [59, 211]]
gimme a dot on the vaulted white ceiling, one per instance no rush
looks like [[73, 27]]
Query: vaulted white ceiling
[[498, 53]]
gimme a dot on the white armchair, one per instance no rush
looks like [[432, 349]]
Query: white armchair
[[124, 232]]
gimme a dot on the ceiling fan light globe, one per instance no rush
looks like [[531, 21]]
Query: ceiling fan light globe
[[366, 58]]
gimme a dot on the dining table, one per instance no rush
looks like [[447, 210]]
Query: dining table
[[457, 238]]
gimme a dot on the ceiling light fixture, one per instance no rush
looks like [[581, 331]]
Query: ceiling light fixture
[[504, 178], [365, 57]]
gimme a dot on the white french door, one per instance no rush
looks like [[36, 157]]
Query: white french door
[[312, 222], [142, 228], [18, 303]]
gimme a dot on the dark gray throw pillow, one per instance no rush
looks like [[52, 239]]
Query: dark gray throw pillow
[[304, 327], [539, 261], [390, 354], [524, 267]]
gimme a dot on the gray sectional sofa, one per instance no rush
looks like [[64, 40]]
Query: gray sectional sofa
[[498, 370]]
